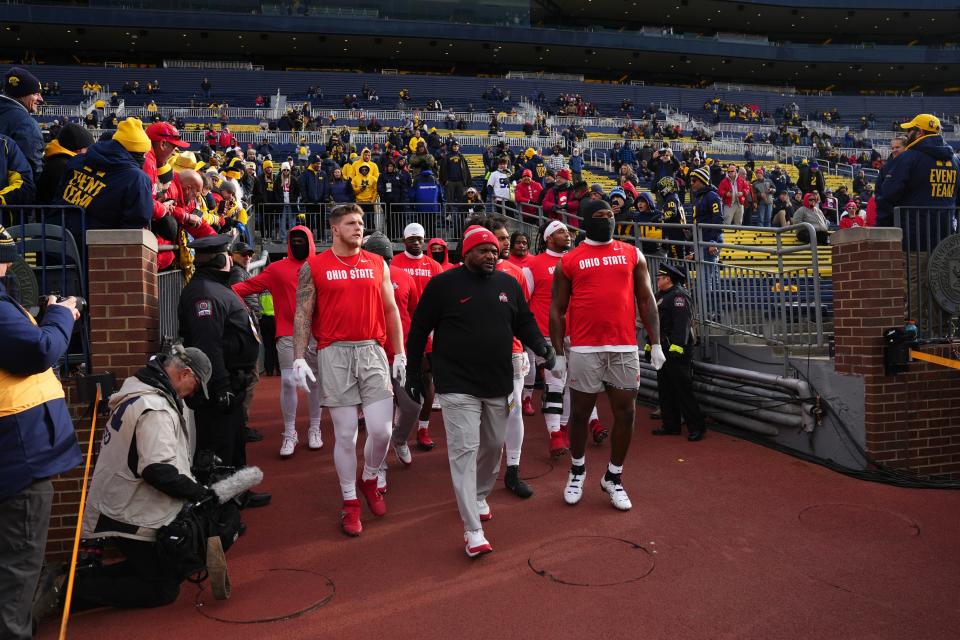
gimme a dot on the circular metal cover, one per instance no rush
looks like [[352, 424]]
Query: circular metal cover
[[944, 274]]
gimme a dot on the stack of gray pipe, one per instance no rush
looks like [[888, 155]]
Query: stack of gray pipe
[[751, 400]]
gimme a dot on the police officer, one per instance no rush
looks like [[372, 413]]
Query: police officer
[[214, 320], [675, 378]]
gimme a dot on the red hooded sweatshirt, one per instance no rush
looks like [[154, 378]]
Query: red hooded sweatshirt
[[280, 279], [445, 263]]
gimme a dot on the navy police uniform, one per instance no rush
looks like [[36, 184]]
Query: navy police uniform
[[675, 378], [215, 320]]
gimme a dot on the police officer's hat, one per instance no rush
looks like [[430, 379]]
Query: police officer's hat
[[242, 248], [672, 272], [212, 244]]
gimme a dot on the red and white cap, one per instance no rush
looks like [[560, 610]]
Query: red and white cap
[[165, 131], [476, 235]]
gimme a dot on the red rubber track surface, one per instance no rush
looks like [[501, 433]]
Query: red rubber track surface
[[726, 539]]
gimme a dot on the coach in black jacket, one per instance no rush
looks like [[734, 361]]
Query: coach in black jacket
[[474, 312]]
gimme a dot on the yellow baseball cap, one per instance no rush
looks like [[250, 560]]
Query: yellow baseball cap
[[924, 122]]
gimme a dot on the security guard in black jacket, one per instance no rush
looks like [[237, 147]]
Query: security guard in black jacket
[[675, 379], [215, 320]]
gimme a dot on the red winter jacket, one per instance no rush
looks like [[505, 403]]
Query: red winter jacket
[[528, 196], [555, 198], [280, 279], [725, 189]]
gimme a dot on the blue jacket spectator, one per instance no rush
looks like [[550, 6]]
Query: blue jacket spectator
[[627, 156], [340, 189], [18, 103], [16, 176], [708, 207], [923, 176], [314, 185], [427, 193], [36, 442], [36, 434], [576, 163], [109, 184]]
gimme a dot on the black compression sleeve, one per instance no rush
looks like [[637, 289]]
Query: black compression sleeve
[[166, 479]]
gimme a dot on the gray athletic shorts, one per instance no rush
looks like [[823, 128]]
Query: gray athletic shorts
[[354, 373], [593, 372], [285, 353]]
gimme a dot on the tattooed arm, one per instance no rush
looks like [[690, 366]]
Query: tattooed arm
[[303, 318]]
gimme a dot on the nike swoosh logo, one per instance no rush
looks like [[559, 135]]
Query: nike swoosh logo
[[462, 300]]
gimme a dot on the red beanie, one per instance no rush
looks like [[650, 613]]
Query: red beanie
[[808, 199], [475, 235]]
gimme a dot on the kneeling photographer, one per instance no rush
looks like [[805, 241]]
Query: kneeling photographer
[[144, 496]]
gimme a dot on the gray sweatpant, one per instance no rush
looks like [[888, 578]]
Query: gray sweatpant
[[475, 428], [24, 519]]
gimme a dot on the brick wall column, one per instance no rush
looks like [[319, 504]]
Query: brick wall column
[[124, 323], [124, 307], [911, 420]]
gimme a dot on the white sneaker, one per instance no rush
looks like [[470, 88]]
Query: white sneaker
[[288, 445], [484, 508], [382, 478], [476, 543], [574, 489], [314, 439], [618, 495], [402, 449], [436, 404]]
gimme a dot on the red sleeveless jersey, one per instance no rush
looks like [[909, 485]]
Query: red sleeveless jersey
[[515, 272], [539, 275], [602, 314], [349, 304], [420, 269]]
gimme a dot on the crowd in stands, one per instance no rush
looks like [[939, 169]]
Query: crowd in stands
[[424, 167]]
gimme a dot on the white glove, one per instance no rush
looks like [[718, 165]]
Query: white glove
[[656, 356], [301, 373], [524, 365], [400, 369], [560, 368]]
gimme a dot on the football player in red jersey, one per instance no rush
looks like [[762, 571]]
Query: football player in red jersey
[[556, 396], [407, 295], [597, 290], [345, 300], [421, 267]]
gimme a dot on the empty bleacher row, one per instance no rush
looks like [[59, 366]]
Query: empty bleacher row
[[240, 87]]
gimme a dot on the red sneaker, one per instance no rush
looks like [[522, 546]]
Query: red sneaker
[[350, 517], [558, 444], [528, 406], [598, 431], [375, 501], [566, 435], [423, 439]]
